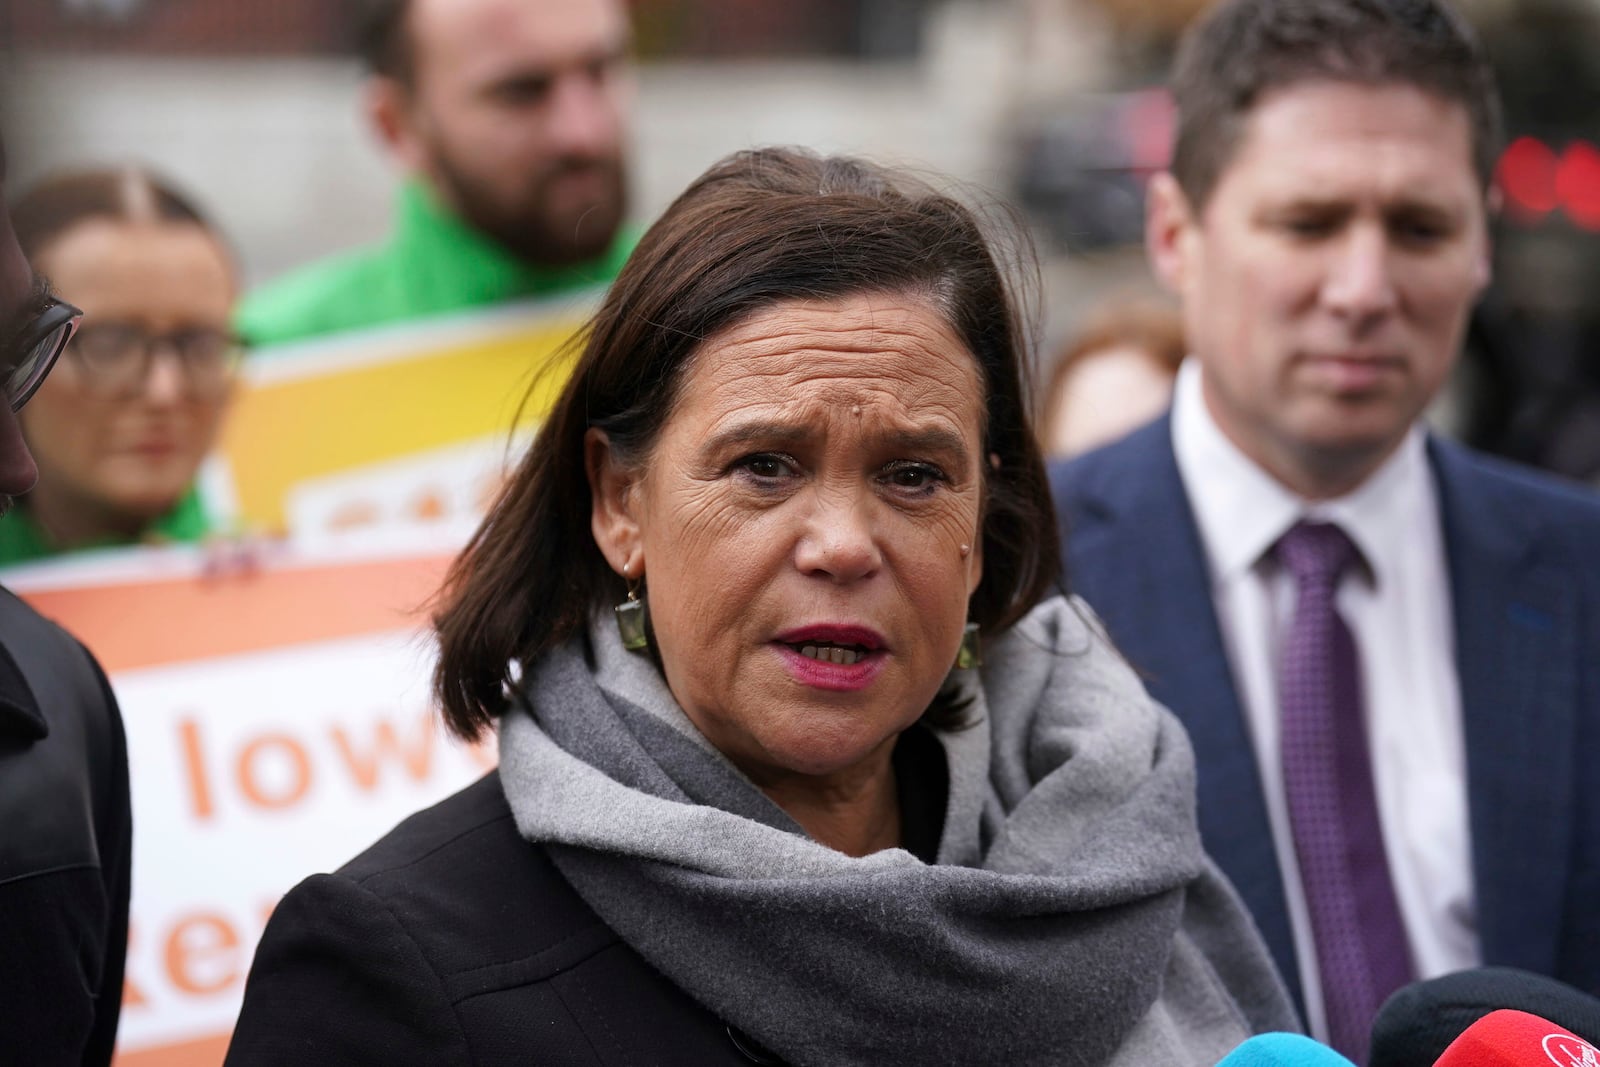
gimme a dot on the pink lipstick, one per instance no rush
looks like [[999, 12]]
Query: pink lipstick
[[833, 656]]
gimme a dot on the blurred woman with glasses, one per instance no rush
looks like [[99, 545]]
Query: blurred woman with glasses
[[120, 428]]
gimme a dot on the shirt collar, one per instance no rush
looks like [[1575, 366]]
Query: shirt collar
[[1242, 510]]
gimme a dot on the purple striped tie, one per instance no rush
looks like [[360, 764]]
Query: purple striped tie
[[1362, 952]]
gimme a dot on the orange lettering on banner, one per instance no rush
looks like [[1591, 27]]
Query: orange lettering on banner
[[203, 954], [429, 505], [195, 768], [275, 771], [417, 757], [298, 758]]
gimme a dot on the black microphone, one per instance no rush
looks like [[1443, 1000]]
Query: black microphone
[[1419, 1021]]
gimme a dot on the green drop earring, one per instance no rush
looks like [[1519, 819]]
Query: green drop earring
[[969, 655], [631, 619]]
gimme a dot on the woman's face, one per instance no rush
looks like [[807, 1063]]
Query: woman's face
[[109, 455], [808, 529]]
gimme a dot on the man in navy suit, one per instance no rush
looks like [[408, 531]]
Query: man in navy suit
[[1416, 747]]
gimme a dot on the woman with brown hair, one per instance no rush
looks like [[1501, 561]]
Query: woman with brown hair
[[757, 799], [121, 427]]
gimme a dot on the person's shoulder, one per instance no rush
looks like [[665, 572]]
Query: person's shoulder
[[323, 297], [451, 873], [1482, 482], [51, 659], [19, 618], [1089, 477], [466, 820]]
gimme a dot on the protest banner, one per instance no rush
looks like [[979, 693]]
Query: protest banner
[[278, 722], [391, 425]]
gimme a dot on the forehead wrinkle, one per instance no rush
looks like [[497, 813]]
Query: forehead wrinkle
[[857, 329], [813, 419], [826, 357], [822, 393], [784, 355]]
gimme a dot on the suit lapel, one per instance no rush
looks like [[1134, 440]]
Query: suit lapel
[[1516, 631], [1139, 562]]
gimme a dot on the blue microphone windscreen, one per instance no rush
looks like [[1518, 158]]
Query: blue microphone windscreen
[[1283, 1050]]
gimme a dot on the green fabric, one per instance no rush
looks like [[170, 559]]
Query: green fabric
[[432, 263], [22, 541]]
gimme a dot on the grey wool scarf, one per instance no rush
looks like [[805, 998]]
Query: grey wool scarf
[[1072, 917]]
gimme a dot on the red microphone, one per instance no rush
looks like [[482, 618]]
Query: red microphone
[[1508, 1038]]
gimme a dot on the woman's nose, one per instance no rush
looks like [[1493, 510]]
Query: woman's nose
[[839, 542]]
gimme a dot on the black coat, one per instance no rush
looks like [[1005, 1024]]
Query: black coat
[[454, 941], [65, 837]]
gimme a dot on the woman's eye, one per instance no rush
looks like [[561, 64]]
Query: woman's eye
[[913, 476], [765, 465]]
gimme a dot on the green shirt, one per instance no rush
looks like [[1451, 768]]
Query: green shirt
[[22, 541], [432, 263]]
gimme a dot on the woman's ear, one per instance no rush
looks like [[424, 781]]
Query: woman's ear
[[613, 490]]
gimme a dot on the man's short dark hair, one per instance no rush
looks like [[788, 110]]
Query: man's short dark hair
[[1243, 49], [385, 39]]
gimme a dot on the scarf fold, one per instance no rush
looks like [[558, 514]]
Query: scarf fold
[[1061, 925]]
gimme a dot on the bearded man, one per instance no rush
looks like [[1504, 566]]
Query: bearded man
[[508, 118]]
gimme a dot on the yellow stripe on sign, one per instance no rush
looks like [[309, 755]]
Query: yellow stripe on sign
[[286, 432]]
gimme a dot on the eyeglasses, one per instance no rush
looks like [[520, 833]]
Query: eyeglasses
[[35, 349], [116, 357]]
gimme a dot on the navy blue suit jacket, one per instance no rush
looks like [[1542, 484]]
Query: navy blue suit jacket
[[1524, 564]]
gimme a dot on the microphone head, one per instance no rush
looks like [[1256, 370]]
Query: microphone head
[[1509, 1038], [1418, 1022], [1285, 1050]]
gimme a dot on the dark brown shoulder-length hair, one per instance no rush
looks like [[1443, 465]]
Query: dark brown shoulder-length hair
[[759, 228]]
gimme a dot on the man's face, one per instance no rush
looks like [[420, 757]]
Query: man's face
[[1327, 282], [18, 305], [517, 118]]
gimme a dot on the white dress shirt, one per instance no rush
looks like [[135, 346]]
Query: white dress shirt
[[1398, 609]]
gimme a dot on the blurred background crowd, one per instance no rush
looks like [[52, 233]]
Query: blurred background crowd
[[1056, 106]]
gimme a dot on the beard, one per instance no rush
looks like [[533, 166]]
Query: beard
[[534, 224]]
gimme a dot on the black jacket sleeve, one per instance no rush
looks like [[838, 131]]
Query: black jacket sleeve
[[337, 979]]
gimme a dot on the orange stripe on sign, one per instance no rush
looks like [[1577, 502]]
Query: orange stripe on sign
[[205, 1052], [148, 624]]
